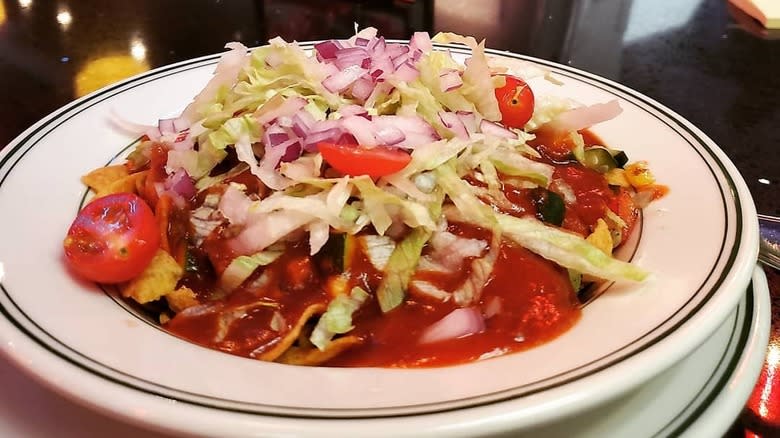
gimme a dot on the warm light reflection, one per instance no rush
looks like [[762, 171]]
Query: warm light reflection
[[2, 13], [106, 70], [772, 361], [24, 4], [138, 50], [764, 181], [64, 18]]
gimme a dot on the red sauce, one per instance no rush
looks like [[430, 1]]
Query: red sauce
[[537, 305], [535, 297], [536, 300], [251, 332]]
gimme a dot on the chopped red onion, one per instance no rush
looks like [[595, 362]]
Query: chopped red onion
[[407, 72], [362, 61], [450, 80], [416, 130], [367, 33], [294, 150], [302, 123], [453, 122], [166, 126], [384, 64], [329, 69], [154, 133], [377, 45], [489, 128], [361, 42], [328, 49], [457, 324], [390, 135], [348, 52], [180, 124], [325, 125], [353, 110], [285, 151], [395, 51], [183, 143], [285, 121], [343, 79], [469, 120], [332, 135], [361, 128], [362, 88], [181, 184], [274, 136], [421, 41], [380, 89]]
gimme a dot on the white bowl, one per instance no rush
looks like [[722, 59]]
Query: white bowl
[[700, 242]]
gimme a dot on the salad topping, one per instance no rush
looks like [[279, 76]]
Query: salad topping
[[307, 203]]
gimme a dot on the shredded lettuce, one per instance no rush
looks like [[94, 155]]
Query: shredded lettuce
[[461, 194], [400, 267], [306, 195], [296, 74], [338, 318], [431, 65], [567, 249], [478, 83], [515, 164], [243, 266], [233, 129], [378, 202], [378, 249], [417, 99], [225, 76]]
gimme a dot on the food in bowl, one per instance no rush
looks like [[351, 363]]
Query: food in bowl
[[365, 204]]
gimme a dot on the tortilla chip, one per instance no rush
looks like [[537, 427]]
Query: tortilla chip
[[290, 337], [601, 238], [181, 299], [129, 184], [101, 179], [114, 179], [314, 356], [617, 177], [156, 281]]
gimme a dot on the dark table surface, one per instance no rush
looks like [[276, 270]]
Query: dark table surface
[[701, 58]]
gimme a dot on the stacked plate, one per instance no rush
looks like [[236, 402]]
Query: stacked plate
[[683, 349]]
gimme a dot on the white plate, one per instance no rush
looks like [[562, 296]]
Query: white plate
[[700, 396], [701, 242]]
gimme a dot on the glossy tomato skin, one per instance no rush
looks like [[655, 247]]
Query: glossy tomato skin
[[112, 239], [516, 102], [354, 160]]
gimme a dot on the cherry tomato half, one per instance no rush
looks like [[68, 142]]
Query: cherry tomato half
[[355, 160], [112, 239], [516, 102]]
